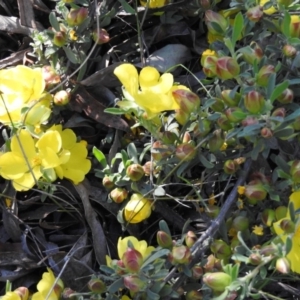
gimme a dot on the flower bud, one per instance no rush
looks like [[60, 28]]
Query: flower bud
[[295, 171], [254, 102], [279, 112], [168, 137], [190, 238], [58, 288], [209, 66], [181, 255], [164, 240], [187, 100], [100, 37], [60, 39], [287, 225], [202, 128], [22, 292], [283, 265], [61, 98], [267, 250], [186, 138], [295, 26], [118, 195], [181, 117], [77, 16], [263, 75], [132, 260], [197, 272], [148, 166], [160, 151], [224, 123], [205, 4], [96, 286], [212, 17], [212, 210], [268, 217], [108, 183], [240, 223], [50, 76], [134, 284], [185, 152], [217, 281], [227, 68], [255, 259], [216, 141], [296, 124], [235, 114], [255, 13], [231, 98], [289, 51], [220, 249], [68, 294], [252, 53], [286, 97], [230, 167], [255, 191], [249, 121], [266, 132], [280, 212], [135, 172], [193, 295]]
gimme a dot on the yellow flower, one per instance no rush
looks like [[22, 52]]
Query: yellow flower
[[11, 296], [73, 35], [241, 190], [18, 86], [45, 285], [240, 203], [154, 3], [137, 209], [207, 53], [148, 90], [294, 255], [212, 199], [270, 10], [258, 230]]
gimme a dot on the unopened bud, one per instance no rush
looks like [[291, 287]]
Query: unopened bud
[[295, 171], [50, 76], [181, 255], [267, 250], [186, 137], [193, 295], [255, 13], [286, 97], [187, 100], [23, 292], [212, 17], [61, 98], [231, 98], [77, 16], [212, 210], [252, 53], [283, 265], [69, 294], [287, 225], [108, 183], [224, 123], [132, 260], [202, 128], [235, 114], [135, 172], [100, 36], [96, 286], [185, 152], [168, 137], [227, 68], [197, 272], [266, 132], [217, 281], [216, 141], [230, 167], [164, 240], [268, 217], [134, 284], [255, 259], [149, 167], [59, 39], [255, 191], [279, 112], [264, 74], [118, 195], [221, 249], [209, 66], [160, 151], [240, 223], [190, 238], [289, 51], [254, 102], [280, 212]]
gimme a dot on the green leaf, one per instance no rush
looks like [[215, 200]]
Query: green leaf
[[205, 162], [118, 284], [127, 7], [152, 296], [271, 85], [53, 21], [237, 28], [155, 256], [100, 157], [293, 115], [163, 226], [286, 24], [278, 90], [132, 153], [71, 55], [114, 111], [288, 244]]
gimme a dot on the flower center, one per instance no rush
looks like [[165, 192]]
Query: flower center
[[36, 161]]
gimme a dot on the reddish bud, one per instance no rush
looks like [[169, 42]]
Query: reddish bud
[[100, 37], [96, 286], [267, 250], [266, 132], [187, 100], [185, 152], [60, 39], [255, 191], [197, 272], [227, 68], [235, 114], [221, 249], [255, 13], [279, 112], [249, 121], [160, 151], [230, 167], [230, 97], [132, 260], [254, 102], [295, 171], [68, 294], [22, 292], [118, 195], [289, 51], [216, 141], [108, 182], [209, 66], [134, 284], [217, 281], [214, 17], [61, 98], [287, 225], [286, 97], [181, 255], [240, 223], [193, 295], [190, 238], [268, 217], [252, 53], [50, 76], [164, 240], [148, 167], [283, 265], [77, 16], [264, 74], [224, 123], [135, 172], [255, 259]]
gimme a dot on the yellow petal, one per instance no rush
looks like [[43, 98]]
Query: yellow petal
[[108, 260], [128, 75], [10, 159], [294, 255], [149, 76], [11, 296], [68, 138], [123, 244], [26, 182], [295, 199], [137, 209], [27, 142], [50, 139]]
